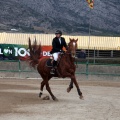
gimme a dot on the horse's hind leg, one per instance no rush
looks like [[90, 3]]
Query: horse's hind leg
[[70, 86], [41, 88], [42, 85], [45, 82], [50, 92]]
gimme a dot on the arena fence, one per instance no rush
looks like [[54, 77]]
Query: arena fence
[[85, 68]]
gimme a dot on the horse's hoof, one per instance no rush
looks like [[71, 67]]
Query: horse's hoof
[[40, 94], [55, 99], [68, 89], [81, 97]]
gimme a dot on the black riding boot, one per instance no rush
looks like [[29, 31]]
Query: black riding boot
[[54, 67]]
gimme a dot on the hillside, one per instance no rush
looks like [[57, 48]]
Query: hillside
[[45, 16]]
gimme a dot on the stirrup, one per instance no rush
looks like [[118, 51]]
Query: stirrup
[[52, 71]]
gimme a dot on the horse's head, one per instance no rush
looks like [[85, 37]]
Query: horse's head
[[72, 46]]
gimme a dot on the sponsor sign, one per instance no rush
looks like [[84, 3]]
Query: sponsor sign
[[16, 52]]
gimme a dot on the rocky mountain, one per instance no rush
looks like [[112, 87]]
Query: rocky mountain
[[71, 16]]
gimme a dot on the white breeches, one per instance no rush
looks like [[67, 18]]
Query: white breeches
[[55, 55]]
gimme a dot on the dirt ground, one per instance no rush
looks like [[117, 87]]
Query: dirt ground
[[19, 101]]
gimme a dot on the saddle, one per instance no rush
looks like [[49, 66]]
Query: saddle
[[49, 62]]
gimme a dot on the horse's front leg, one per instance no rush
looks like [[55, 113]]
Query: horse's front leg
[[67, 74], [73, 78]]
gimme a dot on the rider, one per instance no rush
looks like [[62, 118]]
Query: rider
[[57, 45]]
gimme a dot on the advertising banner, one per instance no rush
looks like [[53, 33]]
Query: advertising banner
[[19, 52], [46, 51]]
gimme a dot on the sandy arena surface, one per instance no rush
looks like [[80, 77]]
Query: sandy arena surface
[[19, 101]]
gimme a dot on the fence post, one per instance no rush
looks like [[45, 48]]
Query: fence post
[[19, 62], [112, 53], [97, 53], [87, 71], [94, 55]]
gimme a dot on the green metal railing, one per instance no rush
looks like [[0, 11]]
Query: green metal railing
[[86, 65], [88, 72], [19, 66]]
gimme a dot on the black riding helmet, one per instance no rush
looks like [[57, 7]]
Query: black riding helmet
[[58, 32]]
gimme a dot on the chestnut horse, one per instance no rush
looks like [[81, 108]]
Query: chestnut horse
[[65, 68]]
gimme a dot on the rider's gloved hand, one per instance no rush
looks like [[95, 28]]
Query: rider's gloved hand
[[62, 51], [50, 52]]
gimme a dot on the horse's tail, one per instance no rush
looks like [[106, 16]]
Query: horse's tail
[[35, 53]]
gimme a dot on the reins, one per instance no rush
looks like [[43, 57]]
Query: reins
[[76, 62]]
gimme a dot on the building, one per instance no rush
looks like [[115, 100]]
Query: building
[[98, 45]]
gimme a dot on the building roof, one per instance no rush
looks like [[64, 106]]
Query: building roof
[[95, 42]]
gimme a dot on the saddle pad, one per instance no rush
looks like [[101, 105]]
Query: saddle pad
[[49, 63]]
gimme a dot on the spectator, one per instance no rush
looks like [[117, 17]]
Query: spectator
[[82, 54]]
